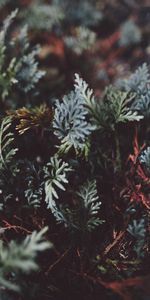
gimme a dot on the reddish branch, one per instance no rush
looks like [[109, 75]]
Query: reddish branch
[[117, 239], [120, 287], [8, 226], [57, 261], [136, 190]]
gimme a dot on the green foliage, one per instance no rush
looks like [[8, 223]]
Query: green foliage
[[87, 96], [80, 12], [28, 75], [142, 105], [112, 110], [130, 34], [20, 257], [75, 166], [117, 102], [34, 188], [83, 40], [145, 158], [139, 83], [7, 152], [84, 217], [47, 15], [139, 80], [89, 207], [7, 75], [8, 165], [55, 175], [18, 65], [138, 231], [70, 123]]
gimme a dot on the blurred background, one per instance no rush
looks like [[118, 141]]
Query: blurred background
[[102, 40]]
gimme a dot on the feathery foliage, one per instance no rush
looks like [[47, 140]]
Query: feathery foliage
[[55, 175], [47, 15], [7, 75], [34, 188], [138, 231], [84, 217], [139, 80], [39, 117], [112, 110], [70, 123], [21, 257], [139, 84], [118, 103], [82, 13], [145, 158], [18, 65], [130, 34], [83, 40], [90, 206], [76, 163], [7, 152]]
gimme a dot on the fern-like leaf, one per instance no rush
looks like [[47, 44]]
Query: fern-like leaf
[[21, 257], [138, 81], [55, 175], [145, 158], [19, 68], [138, 230], [7, 152], [112, 110], [70, 123], [118, 102], [90, 206]]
